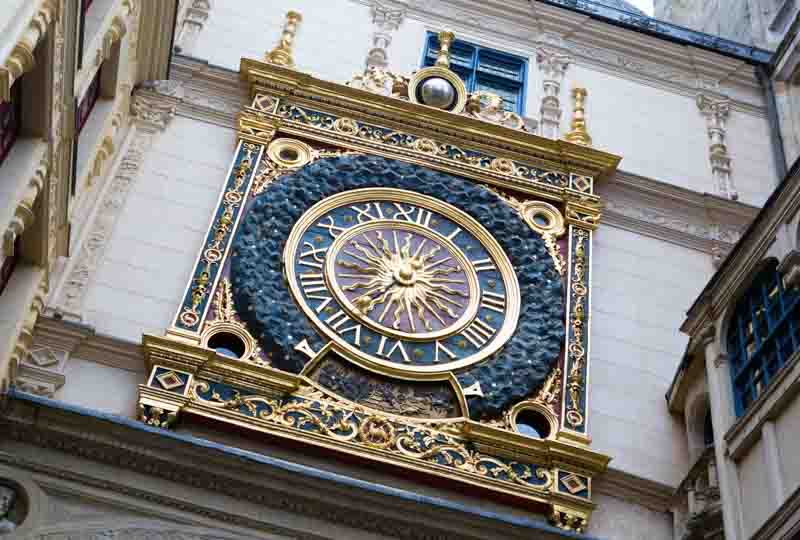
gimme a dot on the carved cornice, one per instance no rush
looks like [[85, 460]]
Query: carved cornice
[[273, 484], [677, 215], [21, 59]]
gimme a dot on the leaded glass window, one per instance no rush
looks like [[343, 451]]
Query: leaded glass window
[[485, 69], [763, 335]]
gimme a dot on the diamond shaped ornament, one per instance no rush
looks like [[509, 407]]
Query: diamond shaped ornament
[[169, 380], [573, 483]]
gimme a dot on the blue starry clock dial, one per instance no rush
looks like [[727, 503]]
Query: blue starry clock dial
[[402, 282]]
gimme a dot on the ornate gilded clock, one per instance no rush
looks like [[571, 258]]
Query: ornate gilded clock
[[399, 278], [403, 273]]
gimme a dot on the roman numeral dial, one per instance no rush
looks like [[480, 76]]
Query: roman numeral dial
[[402, 282]]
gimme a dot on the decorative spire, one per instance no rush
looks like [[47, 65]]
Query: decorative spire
[[579, 134], [445, 41], [281, 55]]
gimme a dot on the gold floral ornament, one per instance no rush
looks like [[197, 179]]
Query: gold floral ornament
[[281, 55], [489, 108]]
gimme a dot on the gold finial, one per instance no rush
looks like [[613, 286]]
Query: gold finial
[[445, 40], [579, 134], [281, 55]]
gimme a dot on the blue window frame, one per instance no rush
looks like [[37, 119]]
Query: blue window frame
[[485, 69], [763, 335]]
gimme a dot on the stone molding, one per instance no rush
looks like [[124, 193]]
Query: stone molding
[[386, 19], [716, 112], [194, 18], [24, 214], [526, 26], [553, 66], [305, 498], [21, 60], [677, 215], [149, 117], [135, 533], [635, 490], [41, 371]]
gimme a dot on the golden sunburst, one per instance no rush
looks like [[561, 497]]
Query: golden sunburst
[[412, 286]]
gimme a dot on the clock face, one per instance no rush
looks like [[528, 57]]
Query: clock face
[[402, 282]]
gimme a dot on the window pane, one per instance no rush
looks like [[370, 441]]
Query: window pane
[[10, 120], [504, 66], [761, 338]]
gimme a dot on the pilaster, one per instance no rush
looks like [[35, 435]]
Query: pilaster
[[721, 400], [716, 112], [386, 19], [553, 66], [192, 24]]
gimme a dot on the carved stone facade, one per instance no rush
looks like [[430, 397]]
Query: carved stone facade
[[553, 66], [386, 18], [150, 116], [195, 14]]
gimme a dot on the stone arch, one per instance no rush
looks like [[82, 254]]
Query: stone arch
[[698, 416]]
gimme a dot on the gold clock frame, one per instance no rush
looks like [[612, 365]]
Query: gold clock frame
[[463, 220], [332, 119]]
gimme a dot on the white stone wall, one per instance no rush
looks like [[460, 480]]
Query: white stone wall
[[640, 287], [621, 520], [754, 490], [332, 41], [139, 284], [102, 388], [787, 427]]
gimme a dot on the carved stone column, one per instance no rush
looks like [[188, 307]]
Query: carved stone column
[[386, 19], [150, 114], [716, 113], [191, 25], [553, 66]]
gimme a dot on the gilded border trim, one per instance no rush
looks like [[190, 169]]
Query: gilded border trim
[[209, 262]]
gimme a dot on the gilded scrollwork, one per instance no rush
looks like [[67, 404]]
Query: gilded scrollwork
[[312, 413], [214, 251], [576, 349], [428, 147]]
